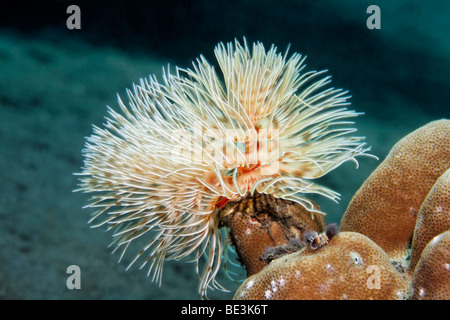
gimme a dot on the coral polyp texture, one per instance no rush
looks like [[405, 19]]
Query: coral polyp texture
[[413, 264], [386, 206], [180, 149], [433, 218], [431, 280], [349, 266]]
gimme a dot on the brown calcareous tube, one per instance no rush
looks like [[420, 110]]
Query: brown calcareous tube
[[260, 221]]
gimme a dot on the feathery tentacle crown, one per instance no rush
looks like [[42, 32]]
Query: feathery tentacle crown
[[261, 124]]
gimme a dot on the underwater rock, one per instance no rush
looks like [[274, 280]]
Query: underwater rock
[[349, 266], [386, 206]]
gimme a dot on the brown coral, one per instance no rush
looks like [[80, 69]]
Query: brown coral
[[350, 266], [386, 206], [260, 221], [415, 175], [433, 218], [431, 280]]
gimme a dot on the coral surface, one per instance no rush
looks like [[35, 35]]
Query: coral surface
[[431, 280], [385, 208], [394, 239], [433, 218]]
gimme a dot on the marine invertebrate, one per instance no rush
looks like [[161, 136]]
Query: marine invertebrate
[[260, 221], [272, 253], [182, 148], [340, 269], [433, 218], [385, 208], [320, 271], [431, 279], [315, 240]]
